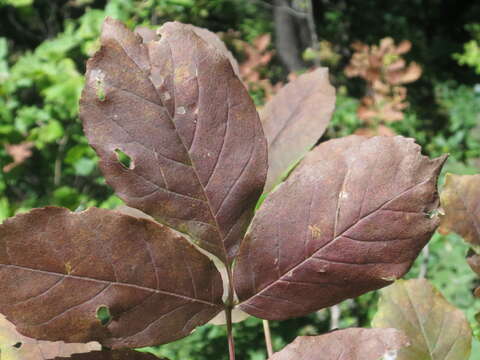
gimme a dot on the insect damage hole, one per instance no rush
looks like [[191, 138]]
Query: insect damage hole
[[103, 315], [99, 77], [124, 159]]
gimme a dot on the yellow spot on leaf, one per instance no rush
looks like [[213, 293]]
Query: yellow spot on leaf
[[315, 230], [68, 268]]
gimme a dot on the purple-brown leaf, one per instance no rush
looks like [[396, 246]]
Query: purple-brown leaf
[[58, 268], [295, 119], [349, 344], [350, 219], [148, 34], [177, 109]]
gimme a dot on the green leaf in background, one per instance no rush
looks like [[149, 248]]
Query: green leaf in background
[[4, 209], [47, 133], [16, 3]]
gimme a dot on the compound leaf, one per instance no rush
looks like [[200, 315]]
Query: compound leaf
[[177, 109], [349, 344], [436, 329], [460, 200], [103, 276], [295, 119], [350, 219]]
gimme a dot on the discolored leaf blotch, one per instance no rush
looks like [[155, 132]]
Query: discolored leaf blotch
[[460, 200], [59, 271], [14, 346], [436, 329], [349, 344], [177, 109], [295, 119], [351, 218]]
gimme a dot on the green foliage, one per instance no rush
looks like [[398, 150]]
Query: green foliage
[[471, 49], [461, 137], [16, 3], [345, 120]]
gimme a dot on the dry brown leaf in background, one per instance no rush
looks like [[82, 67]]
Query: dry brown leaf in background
[[348, 344], [19, 153], [436, 329], [256, 56], [380, 130], [14, 346], [384, 72], [460, 199]]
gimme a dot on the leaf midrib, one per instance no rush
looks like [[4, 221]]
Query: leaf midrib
[[107, 282]]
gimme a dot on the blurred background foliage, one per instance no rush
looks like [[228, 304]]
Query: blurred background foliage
[[45, 159]]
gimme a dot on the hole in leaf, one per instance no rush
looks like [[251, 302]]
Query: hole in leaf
[[434, 213], [103, 314], [124, 159], [18, 345], [100, 89]]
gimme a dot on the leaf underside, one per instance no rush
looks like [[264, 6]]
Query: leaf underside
[[177, 109], [351, 218], [295, 119], [349, 344], [57, 268], [436, 329]]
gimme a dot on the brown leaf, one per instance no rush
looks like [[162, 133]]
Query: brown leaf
[[14, 346], [78, 263], [403, 47], [211, 38], [19, 153], [351, 218], [460, 198], [436, 329], [177, 109], [295, 119], [349, 344], [114, 355], [403, 76]]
